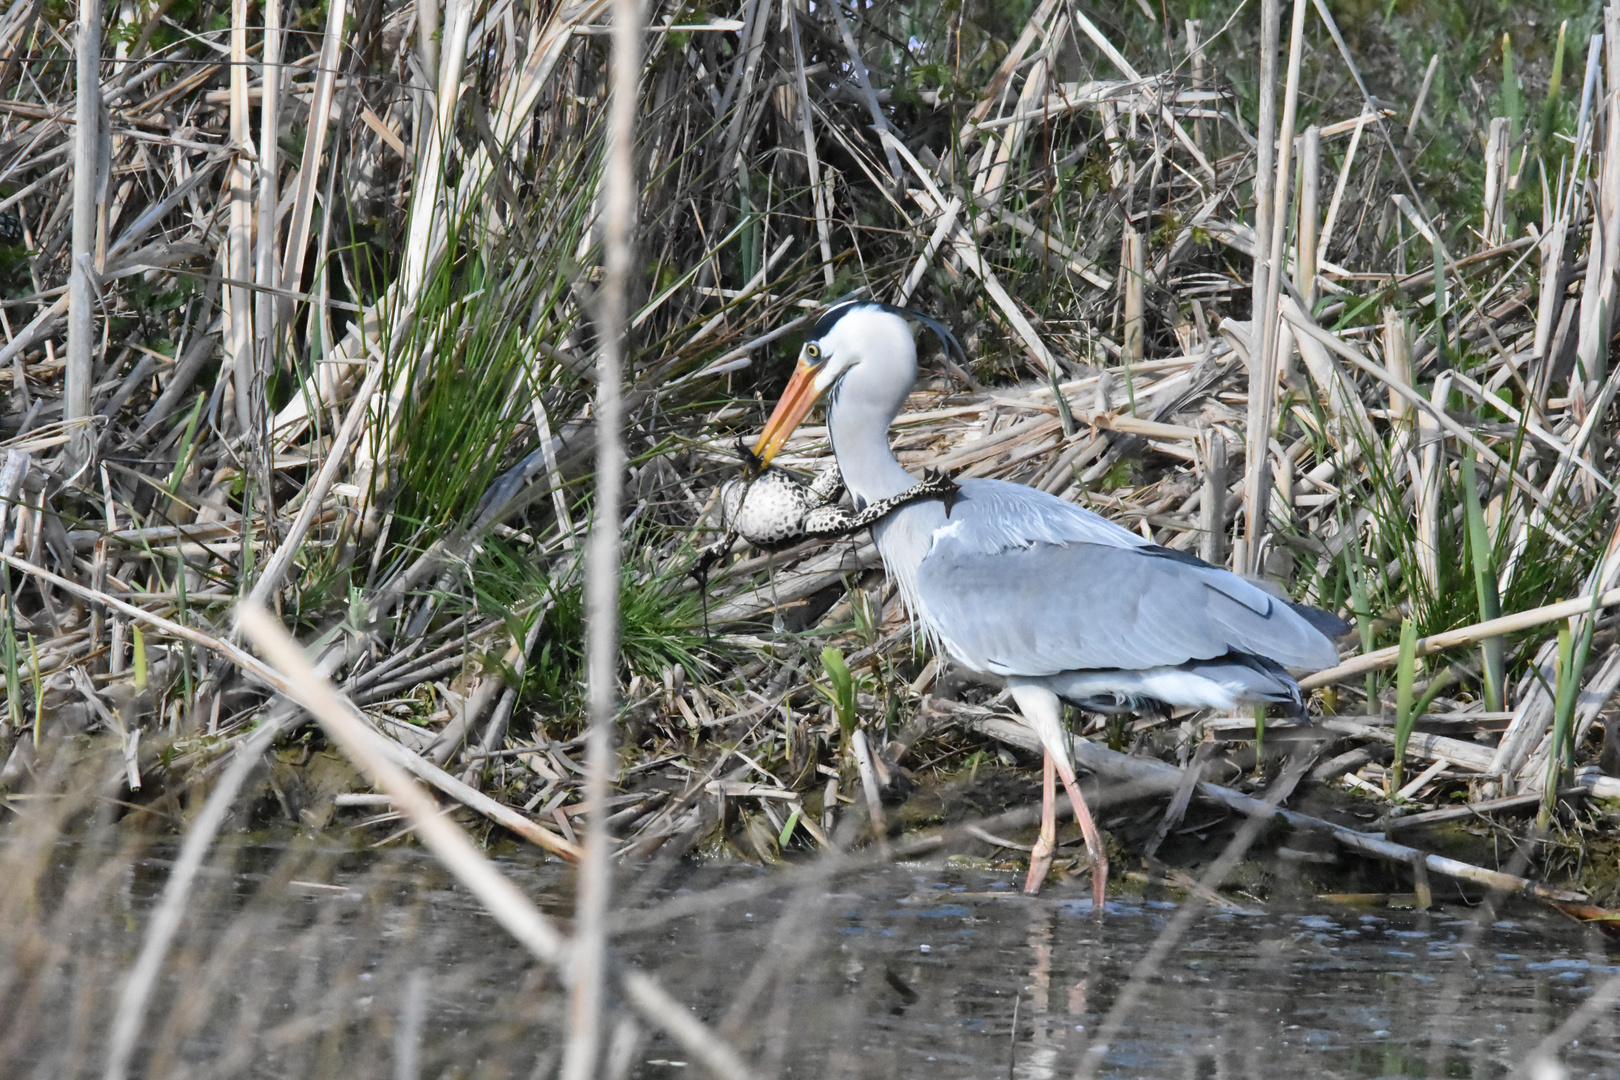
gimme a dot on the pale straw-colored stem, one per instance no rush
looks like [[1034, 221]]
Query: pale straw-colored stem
[[1466, 635], [80, 373], [309, 171], [239, 235], [581, 1060], [1263, 364], [266, 267]]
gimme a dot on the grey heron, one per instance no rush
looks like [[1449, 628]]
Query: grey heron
[[1010, 581]]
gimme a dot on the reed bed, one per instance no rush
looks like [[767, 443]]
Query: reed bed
[[302, 310]]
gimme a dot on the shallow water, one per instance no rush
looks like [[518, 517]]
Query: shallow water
[[923, 973], [301, 962]]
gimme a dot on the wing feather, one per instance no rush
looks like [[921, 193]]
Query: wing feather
[[1018, 582]]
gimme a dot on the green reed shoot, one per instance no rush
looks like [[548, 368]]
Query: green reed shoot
[[1065, 416], [1567, 692], [1483, 559], [188, 441], [1436, 687], [841, 694], [860, 609], [1405, 715], [39, 687], [1364, 617], [182, 615], [138, 647], [1563, 700], [248, 549], [788, 827], [8, 655]]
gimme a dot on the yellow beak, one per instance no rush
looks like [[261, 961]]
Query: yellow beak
[[797, 401]]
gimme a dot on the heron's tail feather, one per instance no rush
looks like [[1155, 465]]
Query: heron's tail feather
[[1328, 623], [1222, 683]]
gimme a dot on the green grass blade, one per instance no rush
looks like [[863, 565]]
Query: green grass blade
[[8, 652], [843, 687], [39, 688], [182, 458], [1484, 566], [1364, 617], [1563, 712], [139, 649], [787, 829], [1441, 345], [183, 617]]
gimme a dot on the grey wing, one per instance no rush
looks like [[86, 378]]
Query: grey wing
[[998, 515], [1049, 607]]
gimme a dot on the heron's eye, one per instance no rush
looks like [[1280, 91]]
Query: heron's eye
[[812, 352]]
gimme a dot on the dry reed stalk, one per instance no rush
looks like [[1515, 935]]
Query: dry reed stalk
[[80, 300], [1425, 473], [239, 265], [1133, 262], [1263, 385], [309, 169], [1256, 485], [1603, 257], [266, 265], [590, 951], [1468, 635], [811, 158], [1306, 244], [869, 788]]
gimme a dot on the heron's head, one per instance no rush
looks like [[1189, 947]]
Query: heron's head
[[859, 336]]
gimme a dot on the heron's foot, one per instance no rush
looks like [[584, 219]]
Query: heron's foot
[[1095, 850], [1040, 856], [1097, 863], [1040, 863]]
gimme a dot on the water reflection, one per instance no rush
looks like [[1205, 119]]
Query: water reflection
[[301, 962], [1003, 985]]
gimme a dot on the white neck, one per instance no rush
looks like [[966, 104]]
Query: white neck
[[858, 418]]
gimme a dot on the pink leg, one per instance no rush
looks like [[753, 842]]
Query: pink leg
[[1040, 859], [1094, 844]]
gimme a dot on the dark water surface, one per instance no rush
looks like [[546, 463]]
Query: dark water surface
[[302, 962]]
